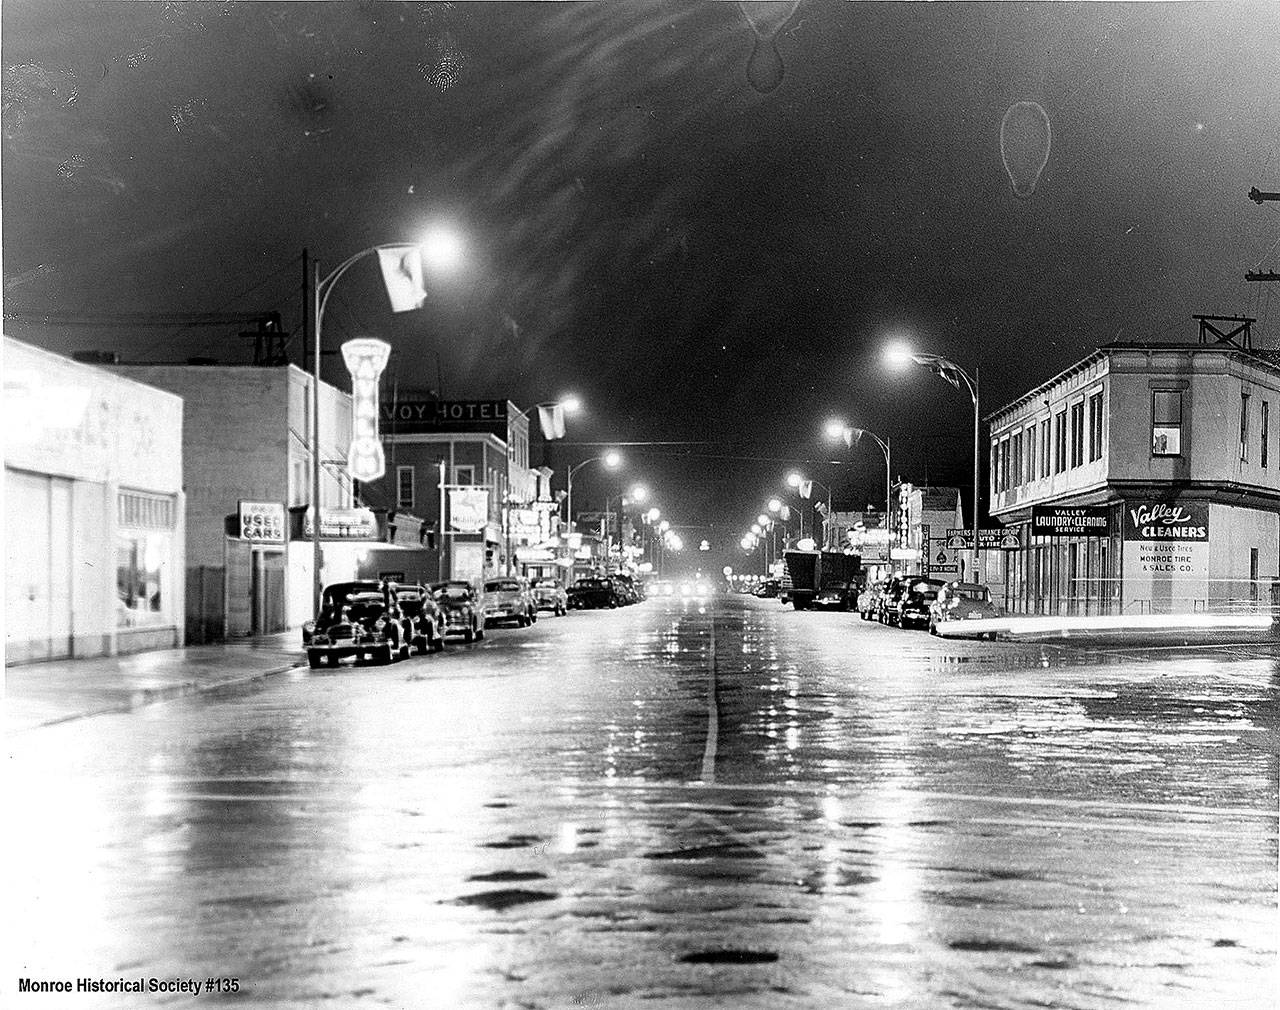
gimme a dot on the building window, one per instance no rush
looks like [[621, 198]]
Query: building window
[[1004, 463], [465, 475], [1077, 434], [299, 482], [1266, 426], [143, 546], [995, 468], [1044, 448], [404, 487], [1015, 450], [1060, 441], [1166, 422], [1244, 427], [1095, 427], [1029, 440]]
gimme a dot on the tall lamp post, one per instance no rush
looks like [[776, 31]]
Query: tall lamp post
[[610, 459], [795, 480], [899, 356], [838, 429], [403, 276]]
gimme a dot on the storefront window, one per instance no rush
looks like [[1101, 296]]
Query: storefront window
[[1166, 422], [140, 578]]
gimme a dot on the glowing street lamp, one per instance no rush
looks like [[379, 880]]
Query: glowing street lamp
[[611, 460], [763, 520], [836, 428], [900, 355], [401, 264], [775, 505], [652, 515]]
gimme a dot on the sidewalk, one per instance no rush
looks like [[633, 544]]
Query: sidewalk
[[39, 694]]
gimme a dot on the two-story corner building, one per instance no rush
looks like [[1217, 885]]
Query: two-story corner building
[[94, 506], [1142, 479], [246, 451], [463, 468]]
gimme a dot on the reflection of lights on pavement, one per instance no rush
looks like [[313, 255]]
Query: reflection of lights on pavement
[[567, 840], [831, 810]]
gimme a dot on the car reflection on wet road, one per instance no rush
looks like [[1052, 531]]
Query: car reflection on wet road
[[683, 802]]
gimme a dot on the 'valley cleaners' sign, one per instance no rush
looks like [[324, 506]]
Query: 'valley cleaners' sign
[[1166, 521]]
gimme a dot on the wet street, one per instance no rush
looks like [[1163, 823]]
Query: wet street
[[676, 804]]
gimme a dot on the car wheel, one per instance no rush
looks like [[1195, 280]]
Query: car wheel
[[933, 629], [314, 659], [470, 634], [382, 655], [480, 633]]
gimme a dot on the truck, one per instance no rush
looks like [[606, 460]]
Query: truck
[[812, 571]]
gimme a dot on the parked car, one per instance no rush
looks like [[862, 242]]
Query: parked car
[[837, 596], [887, 601], [625, 587], [548, 594], [509, 600], [962, 601], [357, 619], [869, 599], [768, 589], [915, 601], [592, 593], [461, 609], [425, 615]]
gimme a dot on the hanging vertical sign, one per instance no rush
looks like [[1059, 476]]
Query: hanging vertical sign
[[468, 509], [365, 358]]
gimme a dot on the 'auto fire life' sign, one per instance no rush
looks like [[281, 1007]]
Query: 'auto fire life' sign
[[1074, 521], [1166, 521]]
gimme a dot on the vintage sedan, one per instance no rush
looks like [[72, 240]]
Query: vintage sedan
[[426, 616], [914, 603], [461, 609], [962, 601], [548, 594], [508, 600], [361, 620], [836, 596], [593, 593]]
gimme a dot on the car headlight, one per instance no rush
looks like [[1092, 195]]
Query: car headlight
[[308, 627]]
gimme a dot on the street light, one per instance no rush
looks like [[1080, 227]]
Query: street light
[[775, 505], [611, 459], [900, 355], [795, 480], [838, 429], [402, 272]]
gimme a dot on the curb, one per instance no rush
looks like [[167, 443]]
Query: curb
[[150, 696]]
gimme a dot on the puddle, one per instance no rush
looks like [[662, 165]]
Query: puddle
[[498, 901], [514, 842], [728, 850], [984, 946], [729, 957], [508, 876]]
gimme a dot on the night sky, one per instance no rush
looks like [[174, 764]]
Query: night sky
[[698, 260]]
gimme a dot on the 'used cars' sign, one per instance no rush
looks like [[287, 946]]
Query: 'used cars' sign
[[1166, 521], [1077, 521]]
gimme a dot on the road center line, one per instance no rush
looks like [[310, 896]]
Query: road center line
[[713, 711]]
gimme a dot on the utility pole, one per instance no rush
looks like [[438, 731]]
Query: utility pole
[[1258, 197]]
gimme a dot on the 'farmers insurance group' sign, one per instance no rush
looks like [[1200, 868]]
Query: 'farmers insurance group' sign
[[1151, 521], [1080, 521]]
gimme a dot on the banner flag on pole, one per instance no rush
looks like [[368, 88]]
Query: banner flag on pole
[[806, 488], [552, 420], [402, 274]]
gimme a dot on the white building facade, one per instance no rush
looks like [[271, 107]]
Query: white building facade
[[1142, 479], [95, 510]]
